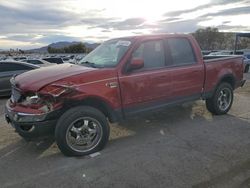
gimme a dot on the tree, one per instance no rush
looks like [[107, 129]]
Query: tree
[[208, 38], [212, 39], [244, 43], [50, 49], [75, 48]]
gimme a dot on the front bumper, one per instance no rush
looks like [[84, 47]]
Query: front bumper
[[31, 125]]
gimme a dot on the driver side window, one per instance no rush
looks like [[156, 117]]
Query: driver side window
[[152, 52]]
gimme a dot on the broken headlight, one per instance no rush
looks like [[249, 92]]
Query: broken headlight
[[36, 102], [32, 99]]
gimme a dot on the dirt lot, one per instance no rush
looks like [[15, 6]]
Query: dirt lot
[[183, 146]]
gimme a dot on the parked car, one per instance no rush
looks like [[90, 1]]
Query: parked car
[[79, 57], [68, 60], [7, 70], [120, 78], [221, 53], [55, 60], [19, 58], [205, 52], [244, 52], [39, 62]]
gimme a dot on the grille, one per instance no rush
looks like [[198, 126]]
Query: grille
[[15, 95]]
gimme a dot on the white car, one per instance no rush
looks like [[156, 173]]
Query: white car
[[247, 64], [39, 62], [221, 53]]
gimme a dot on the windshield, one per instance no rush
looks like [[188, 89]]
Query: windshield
[[107, 54]]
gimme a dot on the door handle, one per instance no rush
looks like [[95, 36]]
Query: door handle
[[112, 84]]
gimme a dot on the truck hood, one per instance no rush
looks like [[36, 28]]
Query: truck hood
[[36, 79]]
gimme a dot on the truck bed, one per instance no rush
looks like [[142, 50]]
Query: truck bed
[[220, 66], [212, 57]]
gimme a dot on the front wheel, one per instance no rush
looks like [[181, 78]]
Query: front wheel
[[222, 100], [81, 131]]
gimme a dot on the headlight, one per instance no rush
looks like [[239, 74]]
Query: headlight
[[32, 99], [36, 102]]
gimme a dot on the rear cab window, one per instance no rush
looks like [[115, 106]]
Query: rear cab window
[[180, 51]]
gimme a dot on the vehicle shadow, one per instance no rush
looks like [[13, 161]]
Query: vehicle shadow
[[164, 121], [164, 118], [186, 130], [135, 125], [46, 147]]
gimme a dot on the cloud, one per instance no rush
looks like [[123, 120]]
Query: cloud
[[229, 28], [56, 38], [232, 11], [95, 21], [186, 26], [191, 19], [127, 24], [43, 22], [38, 15], [201, 7]]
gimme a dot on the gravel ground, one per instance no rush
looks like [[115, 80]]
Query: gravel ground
[[183, 146]]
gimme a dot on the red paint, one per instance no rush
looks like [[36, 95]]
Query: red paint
[[135, 87]]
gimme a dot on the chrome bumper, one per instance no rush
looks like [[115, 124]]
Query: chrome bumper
[[22, 117]]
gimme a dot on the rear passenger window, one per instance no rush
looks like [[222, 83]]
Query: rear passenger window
[[181, 51], [152, 52]]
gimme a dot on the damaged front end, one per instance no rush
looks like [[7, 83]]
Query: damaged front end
[[30, 112]]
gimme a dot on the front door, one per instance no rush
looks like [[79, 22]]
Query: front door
[[146, 87]]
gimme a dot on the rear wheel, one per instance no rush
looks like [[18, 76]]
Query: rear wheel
[[222, 100], [81, 131]]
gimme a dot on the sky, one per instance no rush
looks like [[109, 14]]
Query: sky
[[28, 24]]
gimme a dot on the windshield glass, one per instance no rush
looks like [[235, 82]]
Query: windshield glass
[[107, 54]]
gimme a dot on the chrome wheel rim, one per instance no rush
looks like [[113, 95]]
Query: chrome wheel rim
[[84, 134], [224, 99]]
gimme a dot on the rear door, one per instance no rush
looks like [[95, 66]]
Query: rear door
[[187, 71], [146, 87]]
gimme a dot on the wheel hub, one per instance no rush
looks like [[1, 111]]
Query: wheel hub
[[83, 134], [224, 99]]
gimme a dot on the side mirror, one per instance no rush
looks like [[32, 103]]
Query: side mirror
[[136, 63]]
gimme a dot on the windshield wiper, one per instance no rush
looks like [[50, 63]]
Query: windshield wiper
[[89, 64]]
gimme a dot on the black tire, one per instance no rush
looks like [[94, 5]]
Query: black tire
[[64, 127], [212, 103]]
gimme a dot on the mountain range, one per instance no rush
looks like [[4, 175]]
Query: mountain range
[[62, 44]]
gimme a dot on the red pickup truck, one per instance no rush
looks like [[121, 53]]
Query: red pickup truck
[[119, 78]]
